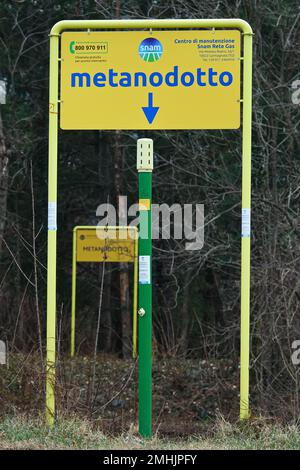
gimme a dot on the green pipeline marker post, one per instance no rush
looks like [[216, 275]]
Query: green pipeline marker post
[[145, 167]]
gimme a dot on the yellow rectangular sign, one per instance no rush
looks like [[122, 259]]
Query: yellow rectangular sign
[[150, 79], [99, 245]]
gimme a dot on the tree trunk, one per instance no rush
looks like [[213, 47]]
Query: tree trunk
[[3, 183], [105, 180], [185, 324], [107, 320], [124, 275]]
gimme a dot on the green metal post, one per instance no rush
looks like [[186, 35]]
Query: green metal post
[[145, 167]]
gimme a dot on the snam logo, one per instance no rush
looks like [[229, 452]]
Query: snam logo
[[150, 50]]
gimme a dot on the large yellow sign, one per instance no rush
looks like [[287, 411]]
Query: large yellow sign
[[99, 245], [150, 79]]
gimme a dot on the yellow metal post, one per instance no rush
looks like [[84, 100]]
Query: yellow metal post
[[52, 228], [52, 197], [246, 227], [73, 308], [232, 23], [135, 294]]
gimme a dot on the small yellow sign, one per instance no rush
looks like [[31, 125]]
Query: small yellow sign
[[99, 245], [150, 79]]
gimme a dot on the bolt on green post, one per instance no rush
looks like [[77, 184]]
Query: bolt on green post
[[145, 167]]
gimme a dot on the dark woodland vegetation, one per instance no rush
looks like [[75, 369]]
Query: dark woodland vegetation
[[196, 294]]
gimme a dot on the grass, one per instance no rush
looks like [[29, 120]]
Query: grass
[[181, 408], [22, 432]]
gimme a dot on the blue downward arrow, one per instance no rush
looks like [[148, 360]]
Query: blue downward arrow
[[150, 111]]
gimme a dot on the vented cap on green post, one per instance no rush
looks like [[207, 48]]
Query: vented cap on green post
[[144, 155]]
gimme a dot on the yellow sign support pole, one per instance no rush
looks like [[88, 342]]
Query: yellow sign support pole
[[57, 29], [246, 227], [73, 307], [74, 280], [52, 228]]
